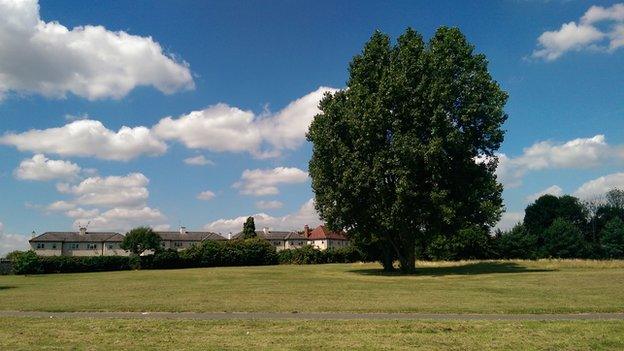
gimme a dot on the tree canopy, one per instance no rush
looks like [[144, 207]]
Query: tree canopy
[[140, 239], [406, 152], [249, 228]]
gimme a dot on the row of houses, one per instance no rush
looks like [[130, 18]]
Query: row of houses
[[85, 243]]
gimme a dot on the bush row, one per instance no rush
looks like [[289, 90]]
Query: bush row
[[251, 252], [311, 255]]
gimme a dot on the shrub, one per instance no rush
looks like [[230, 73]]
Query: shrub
[[27, 263]]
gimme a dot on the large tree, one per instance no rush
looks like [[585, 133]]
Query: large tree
[[542, 213], [406, 152], [141, 239]]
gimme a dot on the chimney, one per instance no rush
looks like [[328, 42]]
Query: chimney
[[183, 230], [265, 230], [306, 230], [229, 235], [83, 230]]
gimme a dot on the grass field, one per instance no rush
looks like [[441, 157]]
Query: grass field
[[462, 287], [121, 334]]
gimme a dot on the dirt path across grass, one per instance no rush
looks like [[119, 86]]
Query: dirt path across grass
[[316, 316]]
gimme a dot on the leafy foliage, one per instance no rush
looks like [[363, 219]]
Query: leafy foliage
[[612, 239], [394, 154], [249, 228], [140, 239], [563, 240], [541, 214]]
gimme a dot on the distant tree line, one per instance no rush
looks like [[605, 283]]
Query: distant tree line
[[553, 227]]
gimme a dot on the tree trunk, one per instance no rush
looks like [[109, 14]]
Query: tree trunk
[[387, 260], [407, 259]]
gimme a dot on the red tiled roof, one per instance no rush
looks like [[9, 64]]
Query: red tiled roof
[[321, 232]]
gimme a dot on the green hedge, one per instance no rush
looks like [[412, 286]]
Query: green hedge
[[250, 252], [29, 263], [311, 255]]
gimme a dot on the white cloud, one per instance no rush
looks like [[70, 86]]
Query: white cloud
[[11, 242], [206, 195], [269, 205], [509, 219], [599, 13], [88, 138], [40, 167], [122, 219], [82, 213], [579, 153], [223, 128], [199, 160], [89, 61], [600, 186], [586, 35], [259, 182], [60, 206], [112, 191], [287, 128], [305, 215], [217, 128], [551, 190]]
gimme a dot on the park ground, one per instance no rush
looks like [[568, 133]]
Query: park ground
[[472, 287]]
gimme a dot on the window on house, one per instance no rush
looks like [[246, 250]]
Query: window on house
[[162, 243], [74, 246], [41, 246], [91, 246], [110, 246], [54, 246], [177, 244]]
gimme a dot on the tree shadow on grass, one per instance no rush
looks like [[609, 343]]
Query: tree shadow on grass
[[459, 269], [5, 287]]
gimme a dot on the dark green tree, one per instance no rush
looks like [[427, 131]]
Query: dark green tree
[[612, 239], [515, 243], [140, 239], [406, 152], [541, 214], [563, 239], [249, 228]]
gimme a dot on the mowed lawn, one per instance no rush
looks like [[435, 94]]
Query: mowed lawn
[[462, 287], [123, 334]]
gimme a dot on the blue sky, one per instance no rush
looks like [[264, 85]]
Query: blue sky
[[239, 82]]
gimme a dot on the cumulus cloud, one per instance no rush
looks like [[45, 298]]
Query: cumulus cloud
[[122, 219], [11, 242], [551, 190], [223, 128], [600, 186], [295, 221], [585, 35], [88, 138], [574, 154], [269, 205], [509, 219], [199, 160], [40, 167], [206, 195], [112, 191], [89, 61], [60, 206], [260, 182]]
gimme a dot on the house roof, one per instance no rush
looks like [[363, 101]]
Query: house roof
[[321, 232], [189, 236], [77, 237]]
